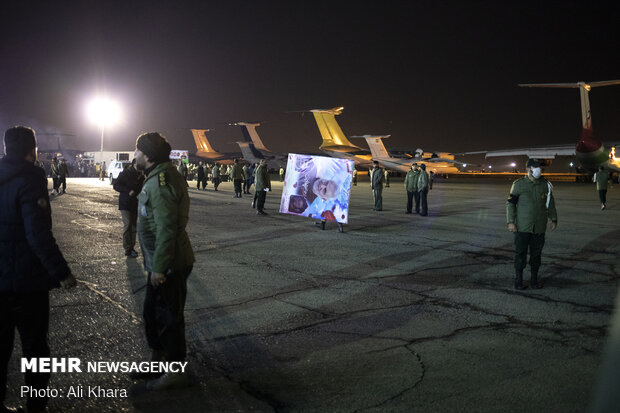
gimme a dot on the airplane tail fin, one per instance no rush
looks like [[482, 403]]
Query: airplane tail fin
[[249, 152], [249, 133], [203, 146], [375, 143], [333, 137]]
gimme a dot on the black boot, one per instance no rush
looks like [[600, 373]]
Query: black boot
[[519, 280], [534, 280]]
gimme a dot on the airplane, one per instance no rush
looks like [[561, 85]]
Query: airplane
[[442, 163], [205, 150], [253, 148], [589, 150], [335, 143]]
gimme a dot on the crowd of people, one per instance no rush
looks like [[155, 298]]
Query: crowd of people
[[154, 205]]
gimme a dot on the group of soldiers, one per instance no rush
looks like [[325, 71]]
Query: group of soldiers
[[417, 184], [241, 176]]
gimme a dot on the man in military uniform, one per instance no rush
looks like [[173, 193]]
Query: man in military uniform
[[30, 263], [216, 176], [282, 172], [422, 191], [163, 212], [262, 186], [386, 174], [236, 174], [247, 175], [376, 182], [601, 177], [63, 172], [411, 185], [54, 172], [530, 205], [201, 176], [354, 176]]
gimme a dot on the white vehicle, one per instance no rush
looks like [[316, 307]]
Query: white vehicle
[[115, 168]]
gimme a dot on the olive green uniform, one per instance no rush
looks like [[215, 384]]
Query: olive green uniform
[[601, 178], [263, 181], [529, 206], [163, 212], [236, 174], [421, 204], [246, 179], [216, 176], [411, 185], [376, 179]]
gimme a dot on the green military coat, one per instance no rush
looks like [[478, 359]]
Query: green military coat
[[236, 172], [527, 205], [376, 178], [422, 180], [411, 180], [262, 178], [601, 178], [163, 212]]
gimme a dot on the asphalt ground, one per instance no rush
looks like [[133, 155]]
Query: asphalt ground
[[400, 313]]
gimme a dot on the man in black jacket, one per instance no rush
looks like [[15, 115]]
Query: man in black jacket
[[129, 184], [30, 262]]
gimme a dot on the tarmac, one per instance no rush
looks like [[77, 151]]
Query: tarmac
[[400, 313]]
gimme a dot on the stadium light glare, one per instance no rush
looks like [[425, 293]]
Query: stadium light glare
[[103, 112]]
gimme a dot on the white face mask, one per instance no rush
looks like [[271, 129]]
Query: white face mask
[[536, 173]]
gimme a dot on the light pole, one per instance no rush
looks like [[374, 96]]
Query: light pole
[[103, 111]]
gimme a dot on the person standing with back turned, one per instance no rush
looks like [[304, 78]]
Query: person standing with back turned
[[31, 263], [601, 177]]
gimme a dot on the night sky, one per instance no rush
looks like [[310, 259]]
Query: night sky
[[436, 75]]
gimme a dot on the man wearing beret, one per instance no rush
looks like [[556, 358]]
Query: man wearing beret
[[529, 207], [163, 212], [30, 264]]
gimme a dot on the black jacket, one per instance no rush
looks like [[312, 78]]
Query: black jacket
[[29, 257], [200, 172], [128, 180]]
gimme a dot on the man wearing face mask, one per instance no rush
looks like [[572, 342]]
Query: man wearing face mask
[[528, 208]]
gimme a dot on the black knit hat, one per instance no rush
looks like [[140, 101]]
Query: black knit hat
[[154, 146], [19, 140], [533, 162]]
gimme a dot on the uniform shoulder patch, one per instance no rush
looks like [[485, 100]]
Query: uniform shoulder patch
[[42, 203], [162, 179]]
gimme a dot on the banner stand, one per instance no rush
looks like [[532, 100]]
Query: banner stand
[[321, 226]]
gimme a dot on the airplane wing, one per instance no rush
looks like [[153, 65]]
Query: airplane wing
[[548, 152], [436, 160]]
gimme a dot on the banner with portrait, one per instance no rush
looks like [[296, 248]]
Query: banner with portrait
[[317, 187]]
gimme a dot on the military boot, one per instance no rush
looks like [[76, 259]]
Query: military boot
[[519, 280], [534, 280]]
